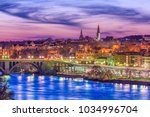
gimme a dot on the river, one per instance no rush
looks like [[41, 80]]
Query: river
[[34, 87]]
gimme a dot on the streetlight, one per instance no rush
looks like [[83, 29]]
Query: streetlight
[[19, 57], [29, 57]]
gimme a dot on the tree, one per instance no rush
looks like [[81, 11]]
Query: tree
[[5, 94], [100, 73]]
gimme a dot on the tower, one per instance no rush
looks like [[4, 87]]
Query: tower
[[98, 36], [81, 35]]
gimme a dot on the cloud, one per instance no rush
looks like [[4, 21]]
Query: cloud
[[118, 32], [75, 14], [120, 12], [40, 15], [67, 13]]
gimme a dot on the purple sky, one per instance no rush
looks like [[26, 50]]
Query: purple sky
[[38, 19]]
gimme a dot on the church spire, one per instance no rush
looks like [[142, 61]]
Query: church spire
[[81, 35], [98, 29], [98, 36]]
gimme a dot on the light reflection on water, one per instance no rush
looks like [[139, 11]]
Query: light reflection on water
[[33, 87]]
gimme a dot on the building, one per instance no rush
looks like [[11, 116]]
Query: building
[[119, 59], [81, 37], [1, 52], [146, 59], [146, 62], [132, 59], [146, 37], [98, 35]]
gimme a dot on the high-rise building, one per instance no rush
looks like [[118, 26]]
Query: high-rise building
[[81, 35], [98, 36]]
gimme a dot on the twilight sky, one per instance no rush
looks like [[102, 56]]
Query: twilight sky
[[38, 19]]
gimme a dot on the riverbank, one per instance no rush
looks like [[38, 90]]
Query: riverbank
[[122, 81], [133, 81]]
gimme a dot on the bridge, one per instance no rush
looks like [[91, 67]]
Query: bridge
[[46, 66], [100, 70], [7, 66], [42, 66]]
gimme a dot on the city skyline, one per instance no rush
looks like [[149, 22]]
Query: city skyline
[[24, 20]]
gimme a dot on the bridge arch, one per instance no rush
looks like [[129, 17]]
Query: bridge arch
[[26, 63]]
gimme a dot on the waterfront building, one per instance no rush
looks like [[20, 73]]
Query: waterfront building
[[119, 59], [101, 61], [146, 59], [132, 59], [105, 61], [146, 62]]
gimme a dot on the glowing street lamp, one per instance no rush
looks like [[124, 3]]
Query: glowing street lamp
[[41, 57], [5, 57]]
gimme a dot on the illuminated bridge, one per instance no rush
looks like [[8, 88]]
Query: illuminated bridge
[[41, 65], [46, 66], [7, 66]]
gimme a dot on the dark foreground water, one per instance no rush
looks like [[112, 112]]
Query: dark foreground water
[[32, 87]]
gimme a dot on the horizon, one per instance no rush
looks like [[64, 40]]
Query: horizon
[[42, 39], [32, 20]]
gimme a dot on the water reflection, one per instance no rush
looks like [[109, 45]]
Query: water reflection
[[33, 87], [19, 78]]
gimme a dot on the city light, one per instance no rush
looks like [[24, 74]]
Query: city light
[[75, 49], [29, 57], [41, 57]]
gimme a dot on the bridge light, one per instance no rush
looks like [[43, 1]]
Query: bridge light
[[61, 57], [2, 57], [41, 57]]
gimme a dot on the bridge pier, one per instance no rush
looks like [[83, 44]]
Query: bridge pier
[[7, 64]]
